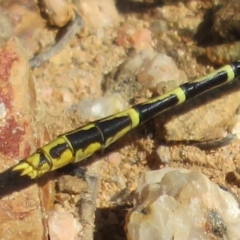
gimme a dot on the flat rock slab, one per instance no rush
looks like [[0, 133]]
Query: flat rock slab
[[23, 202]]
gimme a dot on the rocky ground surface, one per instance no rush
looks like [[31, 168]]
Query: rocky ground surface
[[126, 52]]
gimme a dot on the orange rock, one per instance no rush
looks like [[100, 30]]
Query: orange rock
[[22, 206], [130, 36], [26, 21], [63, 225]]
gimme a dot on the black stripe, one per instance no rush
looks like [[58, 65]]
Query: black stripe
[[193, 89], [149, 110], [58, 150], [81, 139], [112, 127], [43, 159]]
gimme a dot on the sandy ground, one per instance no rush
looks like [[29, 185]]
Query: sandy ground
[[113, 34]]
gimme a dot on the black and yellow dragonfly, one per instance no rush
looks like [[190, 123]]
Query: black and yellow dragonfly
[[82, 142]]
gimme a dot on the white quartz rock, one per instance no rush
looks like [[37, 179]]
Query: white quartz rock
[[180, 204], [96, 108]]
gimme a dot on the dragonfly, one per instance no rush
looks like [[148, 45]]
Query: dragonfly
[[84, 141]]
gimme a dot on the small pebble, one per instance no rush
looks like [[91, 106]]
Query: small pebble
[[62, 225], [114, 158], [92, 109], [71, 184]]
